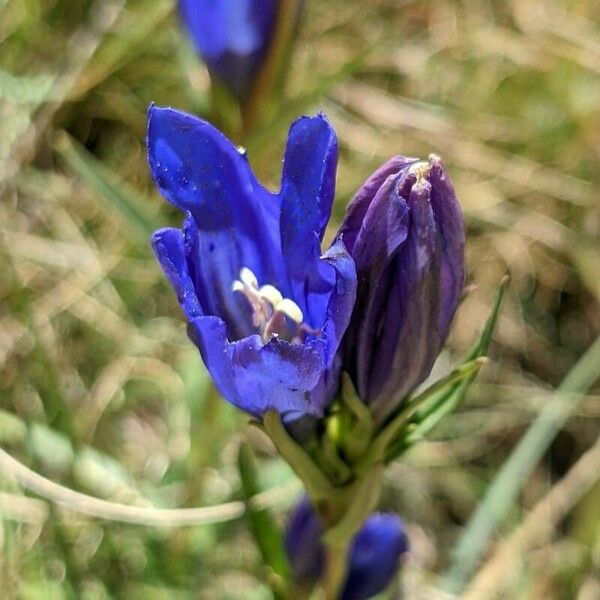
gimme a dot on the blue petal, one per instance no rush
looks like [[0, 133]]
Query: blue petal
[[169, 247], [307, 190], [255, 377], [383, 230], [405, 233], [215, 296], [200, 171], [342, 296], [404, 356]]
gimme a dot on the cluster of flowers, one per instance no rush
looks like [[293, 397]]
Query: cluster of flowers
[[278, 321]]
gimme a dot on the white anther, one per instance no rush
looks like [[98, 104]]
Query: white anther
[[290, 309], [237, 286], [271, 294], [248, 278]]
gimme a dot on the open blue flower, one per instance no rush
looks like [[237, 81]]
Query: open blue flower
[[232, 36], [265, 309], [373, 559]]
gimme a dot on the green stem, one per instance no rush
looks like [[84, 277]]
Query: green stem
[[268, 79], [360, 499], [344, 519], [335, 569]]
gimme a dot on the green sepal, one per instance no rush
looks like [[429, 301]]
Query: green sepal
[[401, 424], [362, 428], [316, 482]]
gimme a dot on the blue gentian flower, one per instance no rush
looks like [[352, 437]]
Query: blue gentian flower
[[373, 559], [232, 36], [265, 309], [405, 232]]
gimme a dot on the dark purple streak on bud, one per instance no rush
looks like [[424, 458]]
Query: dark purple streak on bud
[[405, 232]]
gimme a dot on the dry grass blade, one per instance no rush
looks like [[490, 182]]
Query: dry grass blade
[[537, 527], [140, 515], [82, 45]]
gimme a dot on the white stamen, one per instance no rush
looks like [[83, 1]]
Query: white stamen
[[248, 278], [272, 314], [290, 309], [271, 294]]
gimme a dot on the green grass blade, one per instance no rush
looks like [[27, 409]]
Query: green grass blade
[[262, 524], [120, 196], [504, 489]]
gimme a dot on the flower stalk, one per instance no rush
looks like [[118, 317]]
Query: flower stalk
[[335, 569], [268, 86]]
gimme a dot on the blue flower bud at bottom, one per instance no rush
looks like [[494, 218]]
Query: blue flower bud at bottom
[[374, 555]]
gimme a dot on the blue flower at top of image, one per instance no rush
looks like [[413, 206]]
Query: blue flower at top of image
[[265, 308], [232, 37]]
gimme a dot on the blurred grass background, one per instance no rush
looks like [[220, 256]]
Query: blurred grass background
[[100, 389]]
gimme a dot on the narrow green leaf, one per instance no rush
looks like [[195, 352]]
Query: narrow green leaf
[[450, 389], [51, 447], [262, 524], [118, 194], [28, 90], [448, 400], [507, 484], [444, 400]]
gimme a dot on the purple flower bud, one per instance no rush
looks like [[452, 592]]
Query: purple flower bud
[[374, 555], [303, 544], [232, 36], [405, 232]]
